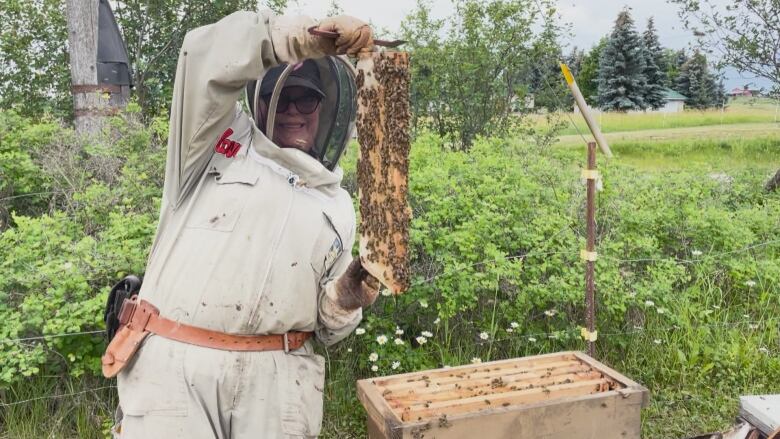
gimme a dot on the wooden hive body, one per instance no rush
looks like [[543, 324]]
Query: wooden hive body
[[565, 394]]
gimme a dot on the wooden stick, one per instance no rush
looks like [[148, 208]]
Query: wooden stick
[[590, 283]]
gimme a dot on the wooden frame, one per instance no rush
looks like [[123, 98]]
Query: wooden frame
[[552, 395]]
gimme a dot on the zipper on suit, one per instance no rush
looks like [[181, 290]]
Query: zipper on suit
[[274, 249]]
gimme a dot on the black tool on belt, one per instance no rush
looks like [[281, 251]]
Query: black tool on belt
[[125, 289]]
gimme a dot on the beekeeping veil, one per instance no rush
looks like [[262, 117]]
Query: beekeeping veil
[[334, 79]]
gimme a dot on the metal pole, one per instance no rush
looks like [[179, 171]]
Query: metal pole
[[590, 247]]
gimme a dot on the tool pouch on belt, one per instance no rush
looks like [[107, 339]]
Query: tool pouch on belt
[[133, 318], [125, 289]]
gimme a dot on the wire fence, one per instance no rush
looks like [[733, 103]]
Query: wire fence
[[49, 397]]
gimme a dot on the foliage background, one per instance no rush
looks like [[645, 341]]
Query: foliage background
[[687, 276]]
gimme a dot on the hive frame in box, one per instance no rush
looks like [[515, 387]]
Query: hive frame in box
[[613, 413]]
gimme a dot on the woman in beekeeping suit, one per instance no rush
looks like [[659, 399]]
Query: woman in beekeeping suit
[[252, 257]]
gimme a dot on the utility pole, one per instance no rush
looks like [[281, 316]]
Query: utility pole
[[99, 68]]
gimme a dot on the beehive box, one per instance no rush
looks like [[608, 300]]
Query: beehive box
[[560, 395]]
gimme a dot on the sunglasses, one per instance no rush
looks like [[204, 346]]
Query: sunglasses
[[306, 104]]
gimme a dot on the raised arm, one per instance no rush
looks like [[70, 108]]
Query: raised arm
[[215, 63]]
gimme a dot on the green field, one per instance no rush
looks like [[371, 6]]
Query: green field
[[737, 111]]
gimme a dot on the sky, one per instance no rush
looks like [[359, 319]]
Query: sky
[[590, 20]]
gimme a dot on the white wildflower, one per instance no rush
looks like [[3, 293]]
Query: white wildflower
[[750, 283], [660, 310], [514, 325], [657, 341], [421, 340], [349, 349], [374, 368], [398, 341], [532, 339], [696, 253], [360, 331], [373, 356], [763, 350], [382, 339], [423, 304], [649, 303], [484, 335], [399, 331], [476, 360], [553, 336], [385, 292], [437, 321], [427, 334], [510, 330], [753, 326], [746, 316], [550, 312], [395, 365]]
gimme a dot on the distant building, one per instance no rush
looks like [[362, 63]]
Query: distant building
[[744, 91], [673, 102]]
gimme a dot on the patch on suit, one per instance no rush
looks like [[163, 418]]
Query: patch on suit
[[333, 254], [229, 148]]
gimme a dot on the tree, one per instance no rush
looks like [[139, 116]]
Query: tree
[[466, 68], [673, 60], [543, 77], [745, 34], [654, 93], [622, 83], [696, 82], [34, 76], [334, 9], [587, 77]]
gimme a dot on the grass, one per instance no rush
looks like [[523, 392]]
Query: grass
[[738, 111], [49, 407]]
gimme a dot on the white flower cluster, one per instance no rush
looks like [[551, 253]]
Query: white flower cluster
[[373, 356], [476, 360], [484, 335], [382, 339], [360, 331], [550, 312]]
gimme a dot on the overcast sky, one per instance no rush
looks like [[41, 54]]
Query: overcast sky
[[590, 19]]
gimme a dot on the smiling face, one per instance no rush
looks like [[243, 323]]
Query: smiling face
[[292, 128]]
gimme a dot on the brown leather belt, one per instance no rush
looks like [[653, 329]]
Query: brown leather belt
[[138, 319]]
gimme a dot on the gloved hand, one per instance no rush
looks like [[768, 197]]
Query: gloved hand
[[356, 287], [354, 35]]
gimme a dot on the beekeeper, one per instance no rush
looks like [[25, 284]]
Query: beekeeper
[[252, 256]]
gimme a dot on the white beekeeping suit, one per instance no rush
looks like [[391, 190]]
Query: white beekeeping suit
[[253, 239]]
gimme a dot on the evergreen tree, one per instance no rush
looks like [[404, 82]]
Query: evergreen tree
[[673, 60], [622, 82], [543, 79], [696, 83], [654, 94], [588, 75]]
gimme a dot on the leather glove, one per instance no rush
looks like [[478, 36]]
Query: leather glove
[[356, 287], [354, 35]]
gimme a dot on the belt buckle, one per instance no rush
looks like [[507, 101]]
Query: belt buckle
[[286, 342]]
